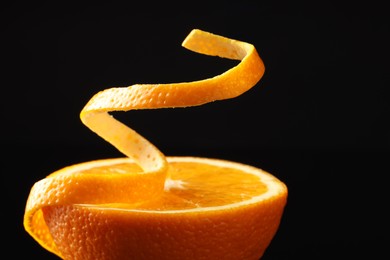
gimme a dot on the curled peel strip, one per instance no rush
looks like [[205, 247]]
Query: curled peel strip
[[230, 84], [65, 186]]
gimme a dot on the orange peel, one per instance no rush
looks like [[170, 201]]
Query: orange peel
[[70, 186]]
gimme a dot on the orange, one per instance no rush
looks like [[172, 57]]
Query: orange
[[147, 205], [210, 209]]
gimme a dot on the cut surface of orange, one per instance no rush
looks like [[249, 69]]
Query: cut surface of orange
[[147, 205]]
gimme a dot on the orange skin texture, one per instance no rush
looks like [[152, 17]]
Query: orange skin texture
[[242, 233]]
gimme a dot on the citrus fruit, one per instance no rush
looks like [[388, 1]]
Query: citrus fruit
[[210, 209], [151, 206]]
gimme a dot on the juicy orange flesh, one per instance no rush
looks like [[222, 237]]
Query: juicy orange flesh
[[192, 185]]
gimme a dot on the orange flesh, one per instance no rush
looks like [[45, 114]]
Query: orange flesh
[[192, 185]]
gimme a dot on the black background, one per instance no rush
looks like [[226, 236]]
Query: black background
[[318, 119]]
